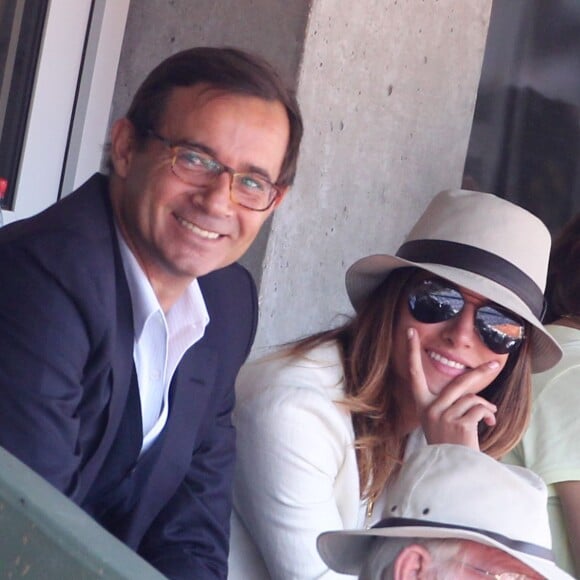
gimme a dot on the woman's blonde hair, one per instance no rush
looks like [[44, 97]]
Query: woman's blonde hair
[[366, 348]]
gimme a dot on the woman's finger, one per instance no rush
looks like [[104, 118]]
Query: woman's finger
[[458, 425], [421, 393], [457, 407], [469, 383]]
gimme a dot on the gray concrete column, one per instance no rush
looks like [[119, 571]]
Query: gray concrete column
[[387, 88]]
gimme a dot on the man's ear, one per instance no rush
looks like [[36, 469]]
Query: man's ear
[[412, 563], [122, 146], [282, 191]]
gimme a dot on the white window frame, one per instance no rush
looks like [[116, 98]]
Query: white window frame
[[71, 102]]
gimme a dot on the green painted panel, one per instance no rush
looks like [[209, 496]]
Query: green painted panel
[[45, 535]]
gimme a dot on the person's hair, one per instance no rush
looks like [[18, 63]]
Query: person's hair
[[383, 552], [366, 347], [228, 69], [563, 284]]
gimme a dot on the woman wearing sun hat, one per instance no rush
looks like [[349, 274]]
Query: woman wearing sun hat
[[445, 336]]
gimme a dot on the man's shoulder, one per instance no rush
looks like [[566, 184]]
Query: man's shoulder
[[234, 272], [232, 303], [81, 212], [84, 214], [73, 240]]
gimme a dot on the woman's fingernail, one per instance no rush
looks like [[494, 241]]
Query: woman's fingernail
[[410, 333], [493, 364]]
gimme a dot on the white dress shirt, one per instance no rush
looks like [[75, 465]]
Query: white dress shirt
[[160, 340]]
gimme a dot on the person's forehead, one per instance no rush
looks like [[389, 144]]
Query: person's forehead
[[202, 97]]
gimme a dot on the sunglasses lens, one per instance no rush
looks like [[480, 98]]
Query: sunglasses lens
[[431, 302], [499, 331]]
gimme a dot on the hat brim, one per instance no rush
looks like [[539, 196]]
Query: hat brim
[[366, 275], [345, 551]]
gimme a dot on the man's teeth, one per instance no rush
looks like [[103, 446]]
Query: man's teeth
[[198, 231], [450, 363]]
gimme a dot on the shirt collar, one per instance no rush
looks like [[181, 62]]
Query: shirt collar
[[189, 312]]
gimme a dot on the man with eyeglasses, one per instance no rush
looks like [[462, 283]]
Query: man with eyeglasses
[[124, 317], [452, 513]]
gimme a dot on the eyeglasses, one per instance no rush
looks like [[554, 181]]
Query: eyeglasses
[[502, 576], [194, 167], [436, 300]]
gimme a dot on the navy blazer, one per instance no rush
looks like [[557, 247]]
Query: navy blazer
[[69, 401]]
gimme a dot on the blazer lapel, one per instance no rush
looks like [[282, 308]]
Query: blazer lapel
[[120, 380], [191, 388]]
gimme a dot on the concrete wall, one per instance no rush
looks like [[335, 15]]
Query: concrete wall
[[387, 89], [158, 28]]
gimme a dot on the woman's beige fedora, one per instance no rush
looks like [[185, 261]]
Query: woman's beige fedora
[[483, 243]]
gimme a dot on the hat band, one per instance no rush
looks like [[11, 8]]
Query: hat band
[[477, 261], [516, 545]]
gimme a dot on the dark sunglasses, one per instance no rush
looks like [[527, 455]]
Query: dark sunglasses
[[436, 300]]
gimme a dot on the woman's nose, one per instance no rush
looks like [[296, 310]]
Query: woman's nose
[[460, 330]]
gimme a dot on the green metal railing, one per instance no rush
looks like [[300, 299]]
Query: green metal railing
[[45, 535]]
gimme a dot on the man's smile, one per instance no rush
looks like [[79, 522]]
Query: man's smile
[[196, 229]]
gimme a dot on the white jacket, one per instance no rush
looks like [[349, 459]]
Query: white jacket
[[296, 472]]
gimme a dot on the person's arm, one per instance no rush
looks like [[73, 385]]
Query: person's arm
[[44, 348], [292, 443], [569, 494]]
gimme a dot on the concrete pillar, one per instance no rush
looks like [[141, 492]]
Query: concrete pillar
[[387, 88]]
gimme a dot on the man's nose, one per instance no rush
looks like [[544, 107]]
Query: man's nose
[[216, 195]]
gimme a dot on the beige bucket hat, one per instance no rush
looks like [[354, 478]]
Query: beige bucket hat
[[483, 243], [452, 491]]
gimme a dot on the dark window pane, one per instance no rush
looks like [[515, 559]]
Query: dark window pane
[[20, 39], [525, 139]]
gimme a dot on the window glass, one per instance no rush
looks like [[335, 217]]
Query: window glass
[[525, 140], [20, 40]]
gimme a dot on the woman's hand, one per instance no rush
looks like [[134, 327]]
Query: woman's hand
[[453, 415]]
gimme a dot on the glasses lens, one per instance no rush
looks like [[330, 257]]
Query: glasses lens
[[195, 167], [488, 574], [432, 302], [501, 332], [253, 191]]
